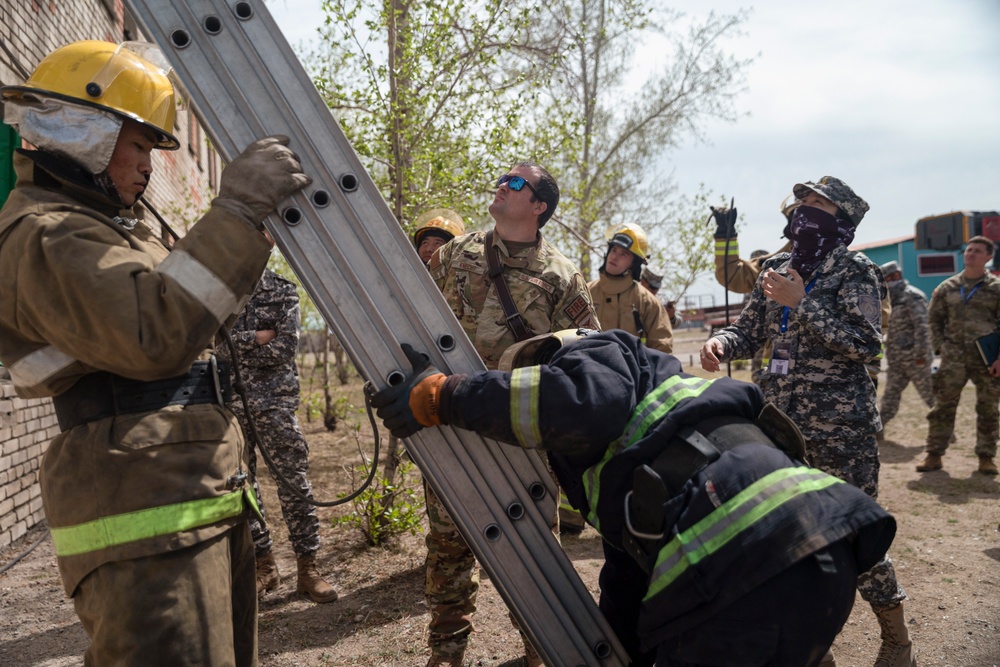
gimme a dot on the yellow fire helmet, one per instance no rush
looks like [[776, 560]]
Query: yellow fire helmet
[[539, 349], [631, 237], [443, 220], [129, 79]]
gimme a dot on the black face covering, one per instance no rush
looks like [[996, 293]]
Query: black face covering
[[814, 234]]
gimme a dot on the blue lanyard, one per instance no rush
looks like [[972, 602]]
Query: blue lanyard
[[961, 290], [784, 313]]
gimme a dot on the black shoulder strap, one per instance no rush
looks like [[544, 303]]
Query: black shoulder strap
[[515, 322]]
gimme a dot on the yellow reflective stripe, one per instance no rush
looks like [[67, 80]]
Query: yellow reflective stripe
[[524, 406], [111, 531], [651, 409], [732, 518], [720, 247]]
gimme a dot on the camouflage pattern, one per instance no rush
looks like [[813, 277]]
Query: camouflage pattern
[[615, 297], [551, 295], [907, 342], [838, 192], [833, 333], [271, 377], [547, 289], [955, 324]]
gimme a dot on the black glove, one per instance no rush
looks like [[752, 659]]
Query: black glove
[[725, 219], [392, 404]]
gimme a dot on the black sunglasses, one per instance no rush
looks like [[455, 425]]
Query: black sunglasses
[[516, 183]]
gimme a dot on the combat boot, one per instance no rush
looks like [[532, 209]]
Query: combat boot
[[267, 573], [930, 462], [987, 466], [897, 649], [310, 583], [440, 660], [828, 659]]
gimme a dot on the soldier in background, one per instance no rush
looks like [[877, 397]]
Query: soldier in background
[[266, 338], [819, 308], [964, 308], [652, 279], [550, 294], [907, 343]]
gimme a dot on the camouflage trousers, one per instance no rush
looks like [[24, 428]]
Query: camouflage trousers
[[452, 578], [948, 383], [855, 460], [901, 374], [279, 431]]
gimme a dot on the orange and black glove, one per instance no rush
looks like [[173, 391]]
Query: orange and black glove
[[411, 405]]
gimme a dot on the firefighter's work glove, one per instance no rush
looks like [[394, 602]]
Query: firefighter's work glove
[[725, 220], [411, 405], [261, 176]]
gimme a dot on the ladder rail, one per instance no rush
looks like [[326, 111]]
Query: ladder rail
[[359, 267]]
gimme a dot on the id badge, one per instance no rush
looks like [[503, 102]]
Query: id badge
[[781, 356]]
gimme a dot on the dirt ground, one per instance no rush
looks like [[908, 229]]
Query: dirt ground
[[947, 555]]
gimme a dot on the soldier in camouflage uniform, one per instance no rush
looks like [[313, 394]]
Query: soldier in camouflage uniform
[[907, 344], [266, 337], [819, 309], [742, 275], [551, 295], [964, 308]]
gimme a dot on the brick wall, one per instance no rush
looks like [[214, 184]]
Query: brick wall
[[26, 426], [181, 188]]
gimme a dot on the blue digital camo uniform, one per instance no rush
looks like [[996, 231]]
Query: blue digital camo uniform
[[955, 325], [833, 333], [907, 341], [272, 383]]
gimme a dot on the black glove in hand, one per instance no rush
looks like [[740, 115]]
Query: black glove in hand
[[392, 404], [725, 219]]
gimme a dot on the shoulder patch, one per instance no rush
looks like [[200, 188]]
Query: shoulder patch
[[577, 307], [871, 308]]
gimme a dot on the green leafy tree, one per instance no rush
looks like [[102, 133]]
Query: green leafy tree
[[430, 94], [606, 127]]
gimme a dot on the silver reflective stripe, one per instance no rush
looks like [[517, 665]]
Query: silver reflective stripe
[[199, 281], [33, 369], [524, 406]]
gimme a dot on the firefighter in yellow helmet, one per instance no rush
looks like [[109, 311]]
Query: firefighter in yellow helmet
[[621, 302], [145, 488], [434, 229]]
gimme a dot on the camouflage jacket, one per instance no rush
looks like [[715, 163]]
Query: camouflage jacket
[[547, 289], [956, 323], [269, 371], [908, 336], [833, 333], [615, 298]]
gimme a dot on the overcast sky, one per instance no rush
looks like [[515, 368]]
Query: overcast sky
[[899, 98]]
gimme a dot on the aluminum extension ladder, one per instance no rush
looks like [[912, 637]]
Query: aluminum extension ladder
[[340, 238]]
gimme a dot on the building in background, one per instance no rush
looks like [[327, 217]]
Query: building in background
[[934, 252]]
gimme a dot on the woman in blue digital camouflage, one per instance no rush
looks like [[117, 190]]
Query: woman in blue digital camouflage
[[819, 308]]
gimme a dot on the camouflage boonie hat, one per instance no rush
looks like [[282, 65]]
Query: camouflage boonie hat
[[838, 192], [889, 268]]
